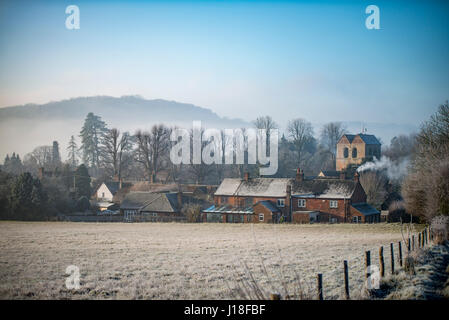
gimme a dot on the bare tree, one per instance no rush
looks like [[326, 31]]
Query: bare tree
[[375, 185], [301, 133], [401, 147], [266, 123], [426, 188], [330, 134], [42, 156], [151, 148], [114, 145]]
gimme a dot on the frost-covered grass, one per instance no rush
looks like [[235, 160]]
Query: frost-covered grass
[[181, 261], [429, 280]]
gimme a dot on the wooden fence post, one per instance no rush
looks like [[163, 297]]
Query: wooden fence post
[[319, 284], [413, 242], [275, 296], [367, 263], [409, 245], [400, 253], [392, 257], [419, 239], [381, 262], [345, 264]]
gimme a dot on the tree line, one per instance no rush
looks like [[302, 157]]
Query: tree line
[[107, 153]]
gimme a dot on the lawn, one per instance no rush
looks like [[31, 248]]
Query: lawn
[[180, 260]]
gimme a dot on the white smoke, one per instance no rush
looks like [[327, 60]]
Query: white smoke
[[394, 170]]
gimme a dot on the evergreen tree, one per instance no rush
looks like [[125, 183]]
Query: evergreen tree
[[73, 152], [27, 198], [91, 135], [82, 182]]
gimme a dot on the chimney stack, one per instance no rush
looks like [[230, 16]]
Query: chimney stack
[[299, 175], [246, 176], [356, 177], [289, 197]]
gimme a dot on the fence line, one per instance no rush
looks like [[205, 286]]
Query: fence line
[[424, 238]]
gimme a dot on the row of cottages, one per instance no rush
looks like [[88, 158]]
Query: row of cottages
[[299, 200]]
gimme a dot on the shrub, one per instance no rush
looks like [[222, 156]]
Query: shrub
[[440, 228], [83, 204]]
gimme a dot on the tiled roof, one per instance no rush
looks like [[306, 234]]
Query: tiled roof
[[262, 187], [324, 188], [277, 187], [269, 205], [147, 201], [229, 209], [365, 209], [369, 138]]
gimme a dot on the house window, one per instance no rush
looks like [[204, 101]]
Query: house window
[[281, 203], [261, 218], [248, 218], [301, 203], [223, 199], [354, 152], [102, 195], [345, 152], [333, 204], [154, 214]]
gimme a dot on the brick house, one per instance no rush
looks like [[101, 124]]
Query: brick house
[[355, 149], [296, 200]]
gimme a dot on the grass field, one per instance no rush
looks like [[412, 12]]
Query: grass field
[[181, 261]]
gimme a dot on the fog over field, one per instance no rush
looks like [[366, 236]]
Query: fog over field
[[22, 128], [181, 261]]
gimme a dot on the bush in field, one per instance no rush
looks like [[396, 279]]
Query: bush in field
[[192, 212], [440, 228], [426, 188], [83, 204]]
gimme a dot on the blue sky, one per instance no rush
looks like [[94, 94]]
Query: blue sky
[[288, 59]]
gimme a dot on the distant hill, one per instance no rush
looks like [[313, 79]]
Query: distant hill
[[24, 127]]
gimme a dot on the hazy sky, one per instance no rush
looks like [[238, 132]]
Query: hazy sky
[[238, 58]]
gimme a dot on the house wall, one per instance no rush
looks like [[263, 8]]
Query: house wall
[[322, 205], [364, 151], [341, 161], [107, 194], [241, 201], [359, 195], [299, 217]]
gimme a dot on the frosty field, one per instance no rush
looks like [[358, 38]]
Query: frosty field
[[182, 261]]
